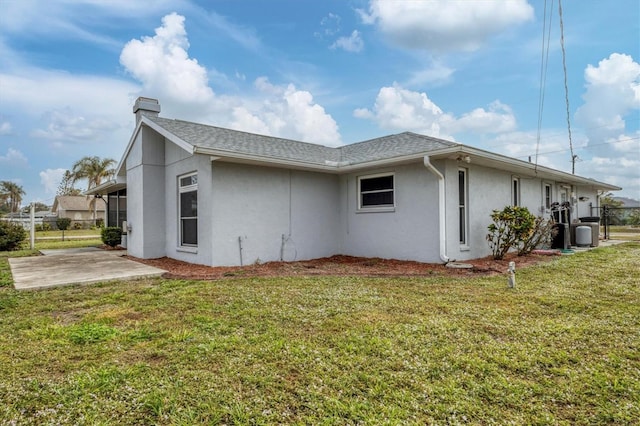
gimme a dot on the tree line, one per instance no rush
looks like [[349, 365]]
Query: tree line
[[93, 169]]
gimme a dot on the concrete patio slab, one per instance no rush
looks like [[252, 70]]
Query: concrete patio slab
[[76, 266]]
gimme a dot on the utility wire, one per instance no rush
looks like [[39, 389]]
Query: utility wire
[[587, 147], [566, 88], [544, 63]]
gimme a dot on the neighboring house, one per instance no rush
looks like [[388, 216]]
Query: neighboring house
[[216, 196], [79, 208]]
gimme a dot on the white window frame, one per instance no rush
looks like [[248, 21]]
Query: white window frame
[[181, 190], [463, 208], [516, 191], [547, 201], [380, 207]]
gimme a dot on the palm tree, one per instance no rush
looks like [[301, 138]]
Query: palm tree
[[13, 192], [94, 170]]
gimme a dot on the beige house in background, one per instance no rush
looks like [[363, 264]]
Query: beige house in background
[[79, 208]]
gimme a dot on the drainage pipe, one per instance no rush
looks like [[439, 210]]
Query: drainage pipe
[[442, 212]]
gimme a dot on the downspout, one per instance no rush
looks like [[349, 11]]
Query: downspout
[[442, 212]]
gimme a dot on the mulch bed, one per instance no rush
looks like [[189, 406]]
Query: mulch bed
[[340, 266]]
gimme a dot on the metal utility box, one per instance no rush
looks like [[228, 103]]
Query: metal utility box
[[560, 238]]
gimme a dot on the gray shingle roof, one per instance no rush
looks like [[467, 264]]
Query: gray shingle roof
[[234, 141], [391, 146]]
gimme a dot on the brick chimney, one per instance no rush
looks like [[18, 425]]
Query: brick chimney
[[145, 106]]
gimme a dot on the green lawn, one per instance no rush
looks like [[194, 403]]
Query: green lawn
[[68, 233], [561, 348]]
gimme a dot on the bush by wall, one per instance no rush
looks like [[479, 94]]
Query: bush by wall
[[509, 229], [111, 235], [11, 236]]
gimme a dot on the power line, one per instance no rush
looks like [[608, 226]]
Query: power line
[[566, 88], [586, 147], [544, 63]]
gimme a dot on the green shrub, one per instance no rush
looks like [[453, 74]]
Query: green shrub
[[63, 223], [77, 225], [540, 236], [43, 227], [11, 236], [509, 229], [99, 222], [111, 235]]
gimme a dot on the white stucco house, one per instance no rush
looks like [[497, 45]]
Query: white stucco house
[[216, 196]]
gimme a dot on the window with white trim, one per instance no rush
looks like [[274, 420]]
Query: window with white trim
[[188, 209], [547, 194], [515, 191], [376, 191], [463, 218]]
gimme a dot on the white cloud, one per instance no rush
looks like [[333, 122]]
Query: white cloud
[[330, 26], [5, 128], [67, 125], [95, 96], [619, 171], [164, 67], [286, 112], [73, 108], [554, 152], [397, 108], [612, 93], [68, 20], [443, 25], [497, 119], [353, 43], [626, 144], [435, 74], [13, 158], [50, 179]]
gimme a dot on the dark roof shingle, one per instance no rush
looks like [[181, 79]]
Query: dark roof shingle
[[234, 141]]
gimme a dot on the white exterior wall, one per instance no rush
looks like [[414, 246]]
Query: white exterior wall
[[409, 232], [145, 195], [179, 162], [274, 212], [583, 208], [281, 214]]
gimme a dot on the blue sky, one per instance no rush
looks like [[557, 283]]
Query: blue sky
[[332, 72]]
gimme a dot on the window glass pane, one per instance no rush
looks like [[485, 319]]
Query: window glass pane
[[190, 231], [376, 184], [378, 199], [189, 180], [112, 219], [122, 204], [462, 225], [189, 204], [547, 196], [461, 188]]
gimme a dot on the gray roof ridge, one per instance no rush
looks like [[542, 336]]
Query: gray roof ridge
[[394, 135], [253, 134]]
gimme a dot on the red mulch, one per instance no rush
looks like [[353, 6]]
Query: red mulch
[[339, 266]]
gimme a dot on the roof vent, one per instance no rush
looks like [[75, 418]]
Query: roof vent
[[146, 106]]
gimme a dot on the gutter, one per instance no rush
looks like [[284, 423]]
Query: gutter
[[442, 213]]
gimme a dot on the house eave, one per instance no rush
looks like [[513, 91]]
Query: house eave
[[108, 187], [518, 167]]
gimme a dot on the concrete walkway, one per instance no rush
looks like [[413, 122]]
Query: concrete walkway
[[76, 266]]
